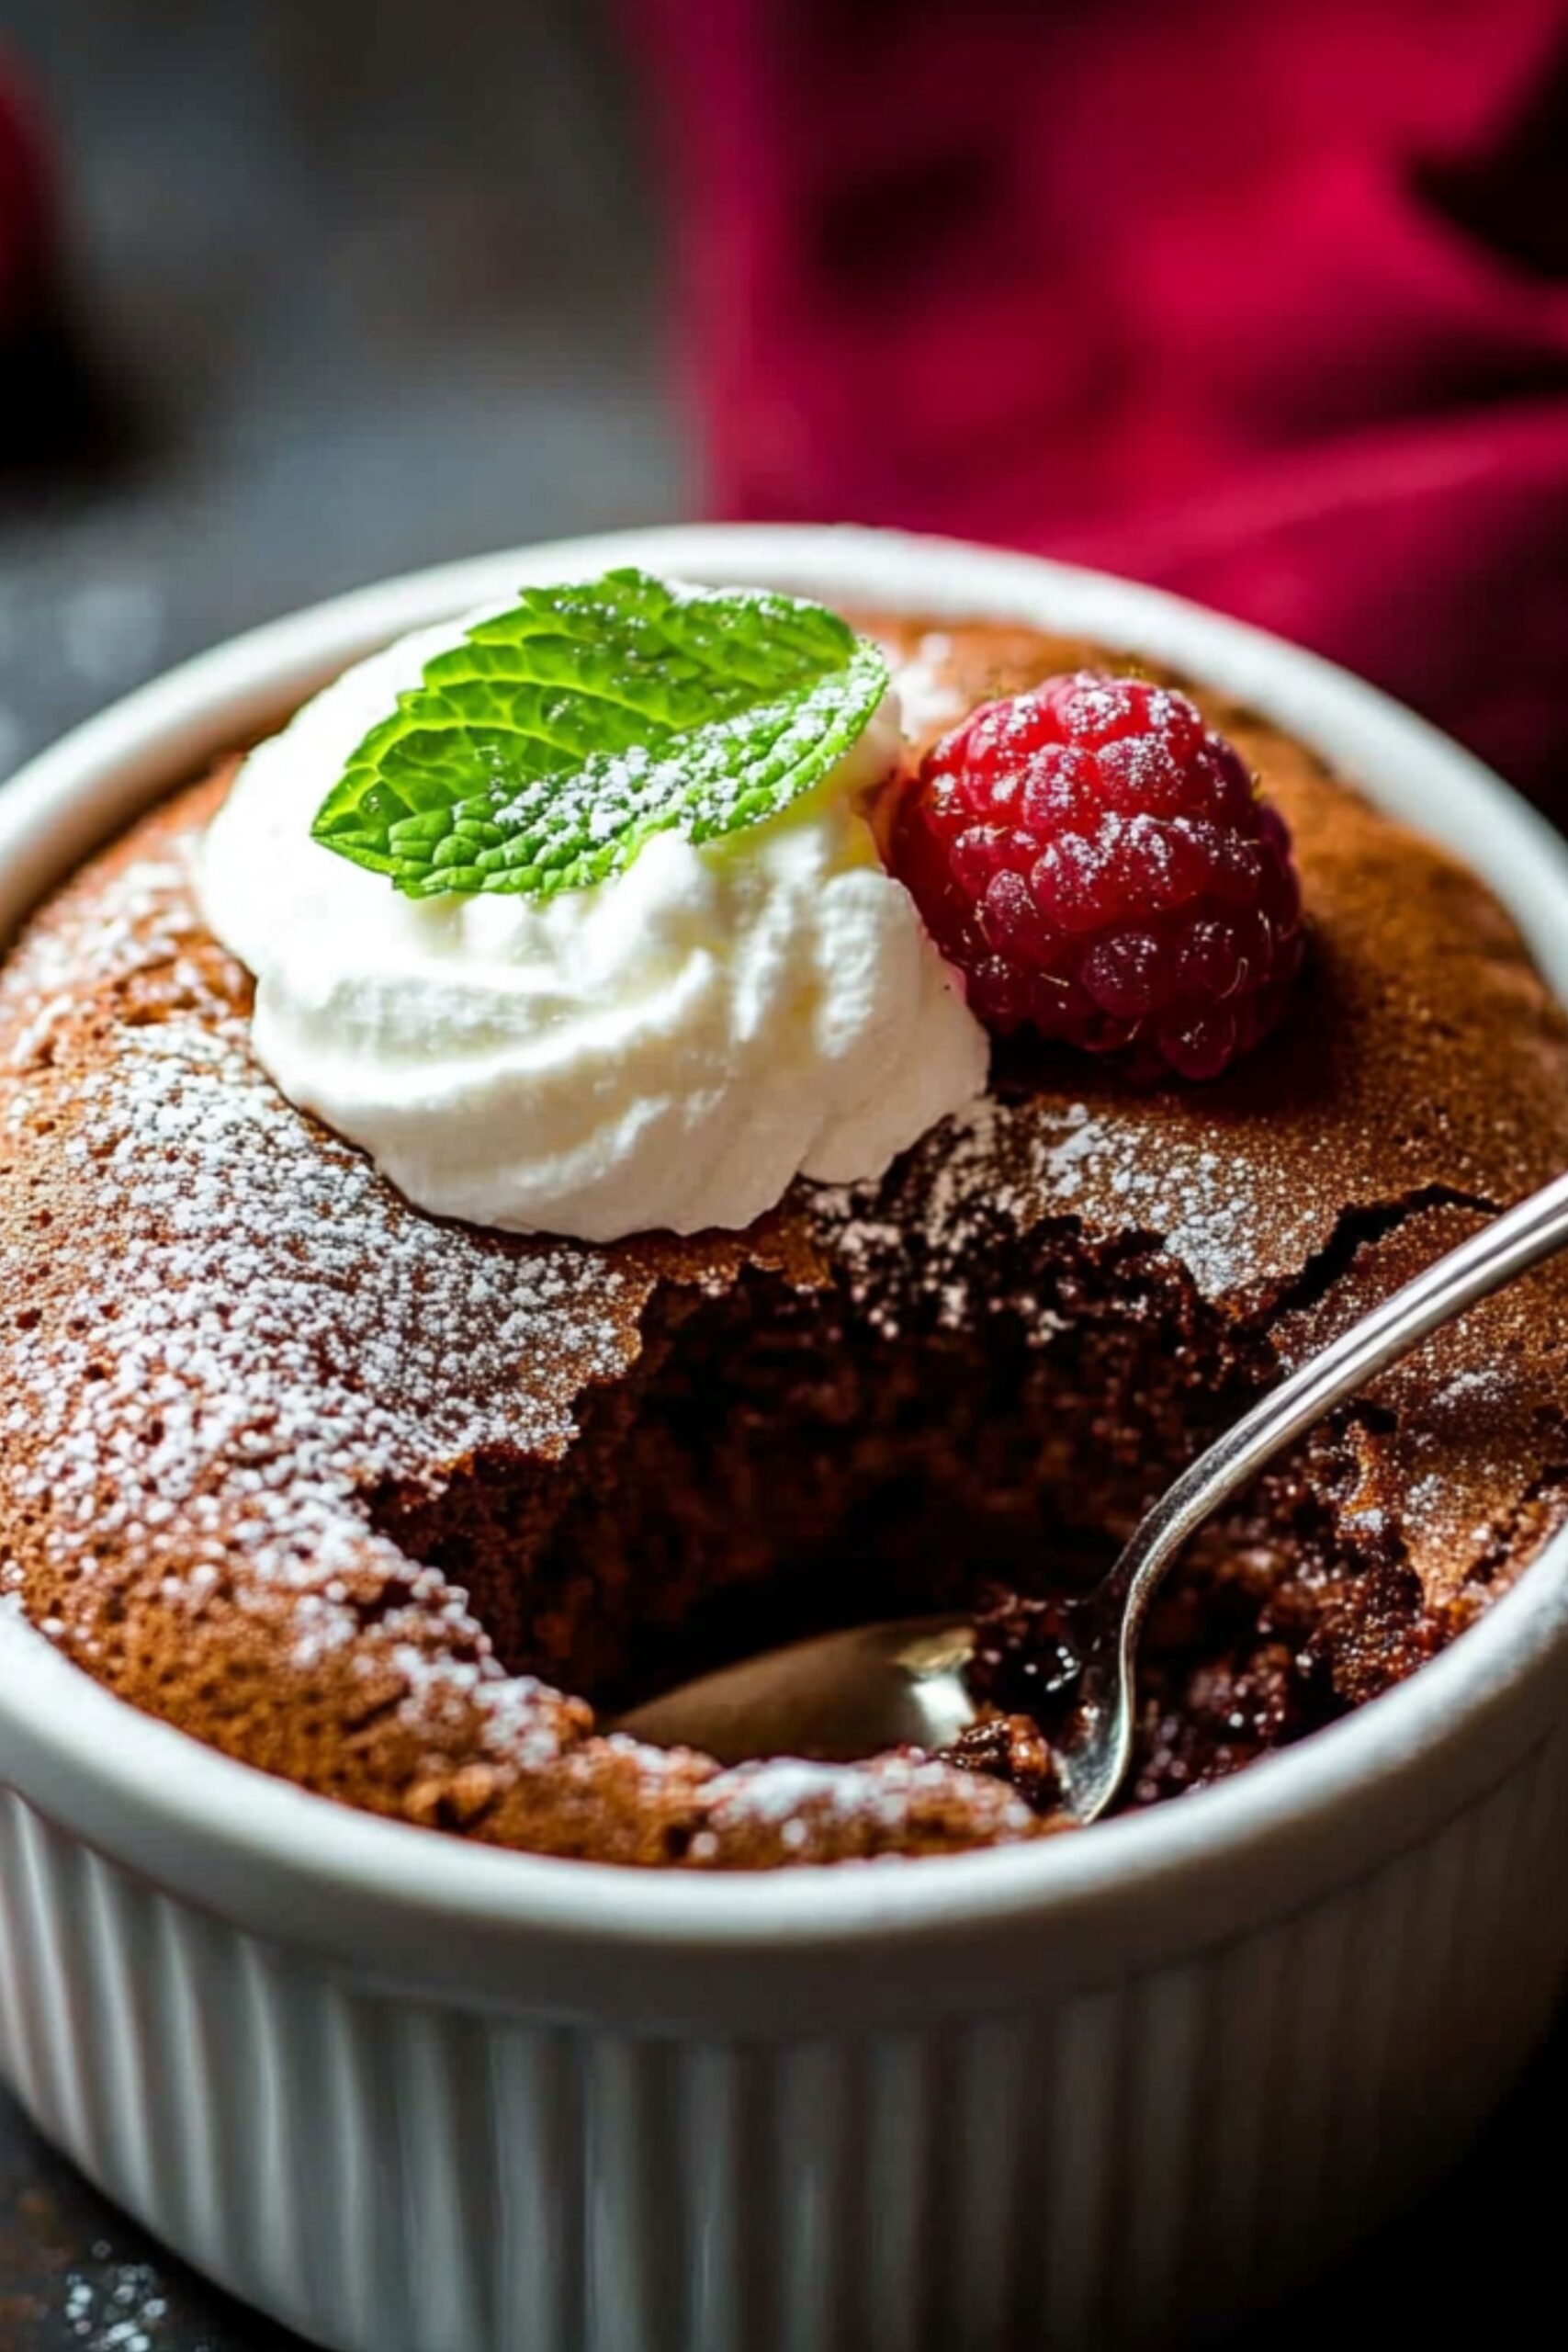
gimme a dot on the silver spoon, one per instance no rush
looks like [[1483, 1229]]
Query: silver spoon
[[846, 1695]]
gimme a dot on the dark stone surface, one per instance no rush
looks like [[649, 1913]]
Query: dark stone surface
[[356, 285]]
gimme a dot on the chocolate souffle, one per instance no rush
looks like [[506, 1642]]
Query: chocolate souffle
[[360, 1496]]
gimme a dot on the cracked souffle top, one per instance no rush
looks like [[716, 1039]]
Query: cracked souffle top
[[389, 1504]]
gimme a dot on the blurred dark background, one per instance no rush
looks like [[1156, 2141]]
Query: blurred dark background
[[331, 287], [1267, 301]]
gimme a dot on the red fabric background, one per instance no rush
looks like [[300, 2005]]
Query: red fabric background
[[24, 206], [1266, 302]]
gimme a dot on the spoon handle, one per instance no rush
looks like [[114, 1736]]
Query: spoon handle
[[1507, 1246], [1512, 1243]]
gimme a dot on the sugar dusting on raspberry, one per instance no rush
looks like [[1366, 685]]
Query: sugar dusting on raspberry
[[1100, 867]]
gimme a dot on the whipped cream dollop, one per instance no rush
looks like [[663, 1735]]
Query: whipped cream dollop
[[667, 1049]]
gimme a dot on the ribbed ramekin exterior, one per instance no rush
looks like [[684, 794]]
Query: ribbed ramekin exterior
[[1166, 2128], [1143, 2158]]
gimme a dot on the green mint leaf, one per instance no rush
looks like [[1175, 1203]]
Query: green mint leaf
[[540, 754]]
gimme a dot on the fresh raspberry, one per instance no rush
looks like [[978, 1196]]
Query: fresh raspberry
[[1098, 863]]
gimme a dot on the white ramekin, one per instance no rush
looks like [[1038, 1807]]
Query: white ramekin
[[410, 2096]]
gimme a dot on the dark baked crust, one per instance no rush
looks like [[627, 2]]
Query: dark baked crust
[[307, 1472]]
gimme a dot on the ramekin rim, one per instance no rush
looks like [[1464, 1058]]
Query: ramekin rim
[[200, 1793]]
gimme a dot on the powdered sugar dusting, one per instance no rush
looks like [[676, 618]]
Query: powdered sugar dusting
[[928, 695], [996, 1169], [115, 2306], [278, 1338], [277, 1335], [795, 1798]]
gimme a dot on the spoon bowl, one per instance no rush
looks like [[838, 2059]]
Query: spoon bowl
[[834, 1697]]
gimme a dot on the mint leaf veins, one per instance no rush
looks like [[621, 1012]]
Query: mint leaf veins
[[539, 754]]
